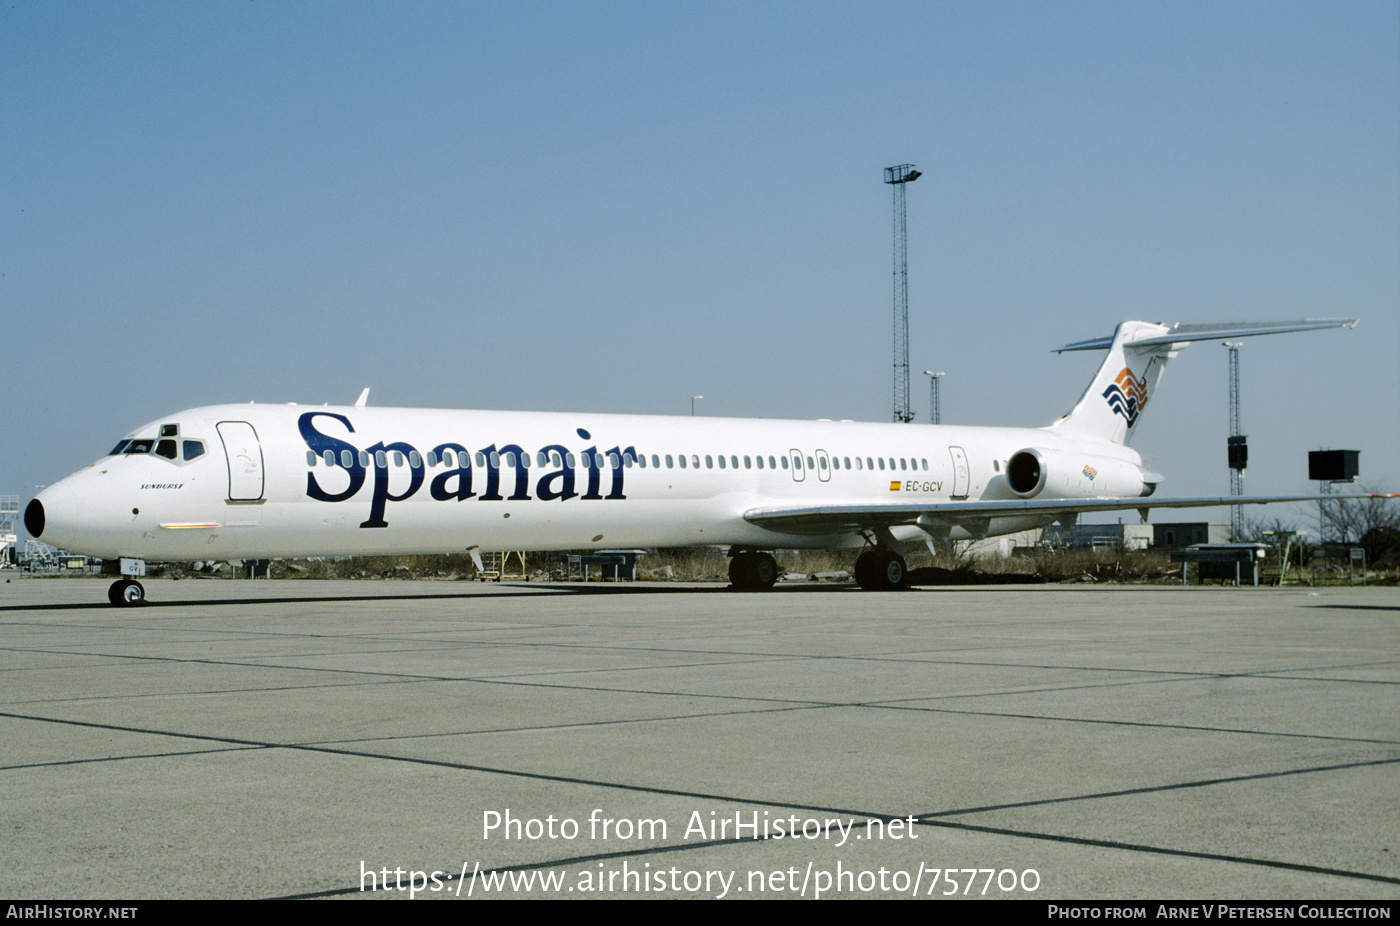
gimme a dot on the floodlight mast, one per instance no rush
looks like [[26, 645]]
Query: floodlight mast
[[897, 177], [935, 412], [1238, 454]]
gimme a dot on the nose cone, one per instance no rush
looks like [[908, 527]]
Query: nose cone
[[34, 519], [68, 515]]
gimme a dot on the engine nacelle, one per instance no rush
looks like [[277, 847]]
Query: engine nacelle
[[1057, 474]]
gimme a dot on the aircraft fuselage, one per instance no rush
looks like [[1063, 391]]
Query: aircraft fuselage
[[286, 480]]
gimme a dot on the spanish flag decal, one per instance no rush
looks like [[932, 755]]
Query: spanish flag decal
[[894, 486]]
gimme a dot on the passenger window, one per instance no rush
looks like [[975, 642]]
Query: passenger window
[[760, 462], [784, 461], [414, 460], [613, 461], [748, 463], [695, 461], [721, 461], [329, 457], [682, 461], [709, 463], [364, 459], [431, 459], [311, 458], [347, 459], [655, 461], [882, 462]]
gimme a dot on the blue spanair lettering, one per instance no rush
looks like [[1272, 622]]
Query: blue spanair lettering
[[454, 483], [621, 457], [492, 460], [462, 474], [590, 459], [381, 494], [320, 443], [590, 456], [544, 489], [522, 471]]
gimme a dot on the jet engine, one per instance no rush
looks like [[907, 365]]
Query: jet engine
[[1060, 474]]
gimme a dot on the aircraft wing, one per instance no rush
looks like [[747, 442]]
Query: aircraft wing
[[850, 518]]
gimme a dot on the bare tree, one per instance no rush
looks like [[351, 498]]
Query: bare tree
[[1371, 520]]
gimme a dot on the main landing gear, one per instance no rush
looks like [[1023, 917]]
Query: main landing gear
[[752, 571], [126, 592], [881, 570]]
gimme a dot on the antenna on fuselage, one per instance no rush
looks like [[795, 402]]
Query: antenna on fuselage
[[364, 397]]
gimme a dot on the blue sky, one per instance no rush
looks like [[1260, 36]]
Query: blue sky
[[616, 206]]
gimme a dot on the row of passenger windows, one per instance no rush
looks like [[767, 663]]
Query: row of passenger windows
[[463, 460]]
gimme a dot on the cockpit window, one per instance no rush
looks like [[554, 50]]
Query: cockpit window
[[170, 430], [143, 445], [194, 449], [117, 449], [165, 448]]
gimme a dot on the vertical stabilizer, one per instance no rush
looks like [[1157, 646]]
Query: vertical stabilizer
[[1137, 352], [1113, 404]]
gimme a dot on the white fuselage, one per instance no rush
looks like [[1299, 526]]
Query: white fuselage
[[246, 481]]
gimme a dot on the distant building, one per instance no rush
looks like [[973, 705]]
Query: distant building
[[1132, 536], [1167, 536], [1179, 534]]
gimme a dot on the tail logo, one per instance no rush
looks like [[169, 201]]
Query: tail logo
[[1127, 396]]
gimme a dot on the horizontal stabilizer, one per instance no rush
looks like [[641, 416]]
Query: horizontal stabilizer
[[1210, 331]]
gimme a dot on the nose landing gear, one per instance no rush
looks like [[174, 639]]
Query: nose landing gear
[[126, 592]]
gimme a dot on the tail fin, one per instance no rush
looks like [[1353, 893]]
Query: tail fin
[[1137, 354], [1112, 405]]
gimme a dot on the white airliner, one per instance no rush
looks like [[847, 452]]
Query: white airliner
[[264, 481]]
